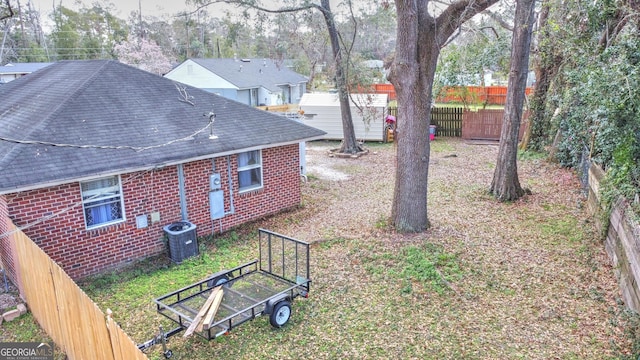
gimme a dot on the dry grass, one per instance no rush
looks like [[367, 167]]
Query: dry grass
[[488, 280]]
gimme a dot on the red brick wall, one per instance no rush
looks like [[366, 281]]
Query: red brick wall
[[281, 189], [83, 252]]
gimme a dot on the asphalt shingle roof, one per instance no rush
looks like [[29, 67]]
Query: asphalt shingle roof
[[252, 73], [98, 105]]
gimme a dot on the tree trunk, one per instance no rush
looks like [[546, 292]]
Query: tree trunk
[[505, 185], [349, 143], [412, 75], [546, 66], [418, 43]]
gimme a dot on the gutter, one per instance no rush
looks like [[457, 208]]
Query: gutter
[[161, 165]]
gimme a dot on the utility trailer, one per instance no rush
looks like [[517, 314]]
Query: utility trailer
[[266, 286]]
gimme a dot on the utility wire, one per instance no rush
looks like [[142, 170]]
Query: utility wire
[[51, 216], [116, 147]]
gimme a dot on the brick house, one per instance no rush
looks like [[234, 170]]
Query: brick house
[[97, 157]]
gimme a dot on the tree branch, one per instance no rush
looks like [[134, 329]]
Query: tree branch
[[184, 95], [458, 13], [10, 14], [251, 4], [611, 32], [497, 18]]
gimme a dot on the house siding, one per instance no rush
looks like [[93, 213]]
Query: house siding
[[244, 96], [195, 75], [83, 252], [327, 116]]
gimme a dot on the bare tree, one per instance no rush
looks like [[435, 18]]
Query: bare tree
[[349, 143], [420, 37], [505, 185], [6, 10]]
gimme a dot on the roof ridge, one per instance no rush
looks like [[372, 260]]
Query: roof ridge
[[46, 119], [70, 95]]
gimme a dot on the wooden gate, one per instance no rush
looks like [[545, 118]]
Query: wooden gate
[[487, 125], [448, 120]]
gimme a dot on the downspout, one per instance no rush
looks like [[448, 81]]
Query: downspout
[[213, 170], [183, 195], [232, 209]]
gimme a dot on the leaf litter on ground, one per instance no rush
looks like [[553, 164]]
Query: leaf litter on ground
[[526, 279]]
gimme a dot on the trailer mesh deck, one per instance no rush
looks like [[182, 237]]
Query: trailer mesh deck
[[243, 299], [282, 271]]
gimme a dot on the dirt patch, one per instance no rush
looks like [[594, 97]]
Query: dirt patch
[[317, 165]]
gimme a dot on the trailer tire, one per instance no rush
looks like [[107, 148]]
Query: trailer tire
[[168, 354], [280, 314], [220, 280]]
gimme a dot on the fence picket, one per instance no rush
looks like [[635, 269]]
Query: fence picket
[[448, 121], [477, 125], [72, 320]]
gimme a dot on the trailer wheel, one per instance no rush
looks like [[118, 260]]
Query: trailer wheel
[[280, 314], [168, 354], [220, 280]]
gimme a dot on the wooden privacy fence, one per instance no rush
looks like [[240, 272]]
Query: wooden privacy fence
[[448, 121], [385, 89], [378, 89], [64, 311], [486, 125], [470, 125], [487, 95]]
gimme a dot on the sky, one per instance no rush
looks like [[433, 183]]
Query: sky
[[149, 7], [124, 7]]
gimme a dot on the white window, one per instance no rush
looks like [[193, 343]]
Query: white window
[[102, 201], [250, 170]]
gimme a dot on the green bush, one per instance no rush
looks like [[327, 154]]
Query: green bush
[[601, 115]]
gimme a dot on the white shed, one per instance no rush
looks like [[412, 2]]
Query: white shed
[[322, 111]]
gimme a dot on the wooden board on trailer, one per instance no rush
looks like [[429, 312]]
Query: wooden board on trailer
[[211, 313], [203, 311]]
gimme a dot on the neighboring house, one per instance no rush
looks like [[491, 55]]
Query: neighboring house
[[322, 111], [254, 82], [97, 157], [13, 71]]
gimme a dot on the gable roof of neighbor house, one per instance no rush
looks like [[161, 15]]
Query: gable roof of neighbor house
[[22, 68], [252, 73], [77, 120]]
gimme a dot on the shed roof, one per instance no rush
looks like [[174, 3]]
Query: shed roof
[[331, 99], [81, 119]]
